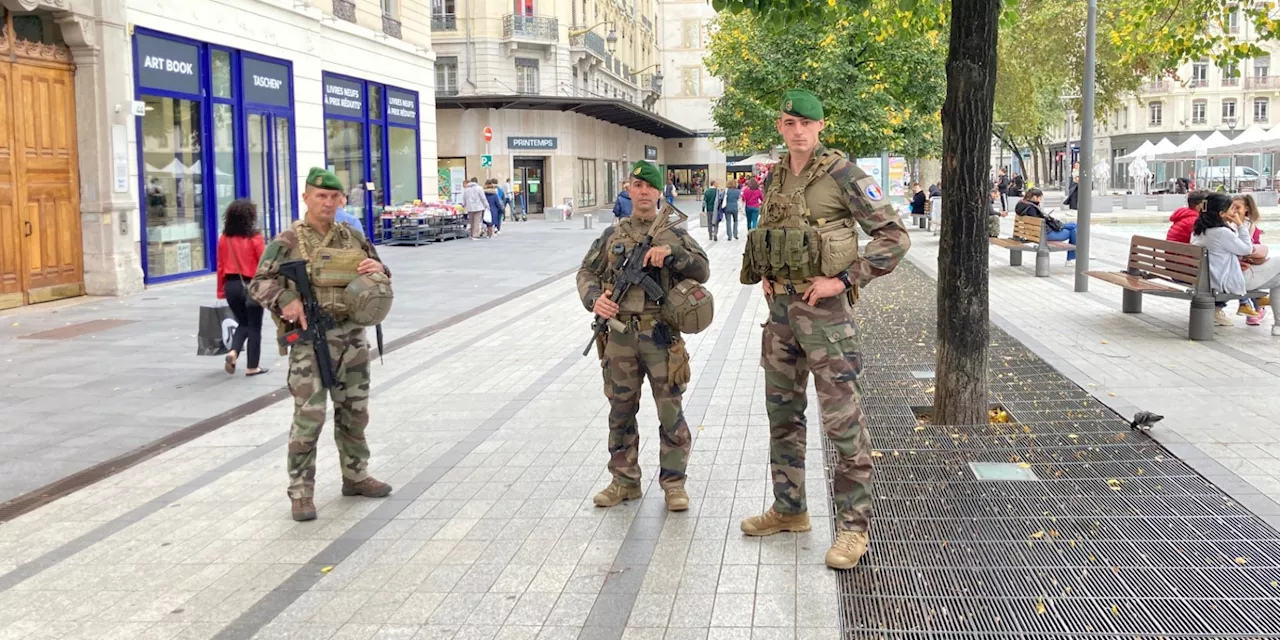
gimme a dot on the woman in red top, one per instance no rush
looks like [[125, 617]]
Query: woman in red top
[[752, 197], [239, 250]]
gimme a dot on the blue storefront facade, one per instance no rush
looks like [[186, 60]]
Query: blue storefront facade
[[216, 123]]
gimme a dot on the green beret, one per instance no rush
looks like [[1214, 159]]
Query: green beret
[[323, 179], [648, 172], [802, 104]]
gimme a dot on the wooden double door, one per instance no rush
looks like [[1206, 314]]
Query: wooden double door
[[41, 257]]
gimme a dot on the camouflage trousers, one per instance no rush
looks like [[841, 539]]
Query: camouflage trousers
[[799, 338], [628, 358], [349, 350]]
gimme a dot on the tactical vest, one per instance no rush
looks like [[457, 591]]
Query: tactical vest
[[330, 269], [620, 243], [789, 245]]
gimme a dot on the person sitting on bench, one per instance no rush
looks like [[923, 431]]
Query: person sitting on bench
[[1054, 230], [1221, 231]]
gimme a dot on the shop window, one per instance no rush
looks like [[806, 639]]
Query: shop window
[[224, 157], [586, 196], [220, 63], [372, 143], [451, 178], [612, 181], [175, 210]]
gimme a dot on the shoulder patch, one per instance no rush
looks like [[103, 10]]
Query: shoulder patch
[[288, 238], [873, 191]]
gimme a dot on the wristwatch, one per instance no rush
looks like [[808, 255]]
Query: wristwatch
[[844, 277]]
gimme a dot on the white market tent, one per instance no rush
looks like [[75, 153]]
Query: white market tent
[[1143, 152], [1255, 139], [759, 158], [1185, 151], [1163, 147]]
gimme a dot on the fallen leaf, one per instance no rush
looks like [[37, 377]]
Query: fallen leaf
[[1115, 611], [1072, 436], [1242, 560], [1023, 465], [1105, 342], [1040, 607], [877, 454], [326, 569], [1038, 535], [1275, 583], [1111, 393]]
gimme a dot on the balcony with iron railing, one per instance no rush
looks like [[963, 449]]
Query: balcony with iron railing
[[591, 41], [651, 82], [1231, 81], [1263, 82], [1197, 83], [391, 26], [444, 22], [538, 28], [1156, 86], [344, 10], [447, 92]]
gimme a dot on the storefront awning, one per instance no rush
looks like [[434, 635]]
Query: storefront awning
[[617, 112]]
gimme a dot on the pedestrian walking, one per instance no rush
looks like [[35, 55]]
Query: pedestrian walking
[[644, 338], [811, 325], [239, 249], [711, 199], [732, 202], [752, 198], [475, 204], [338, 260], [494, 225], [622, 205]]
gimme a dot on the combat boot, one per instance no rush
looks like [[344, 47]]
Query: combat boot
[[677, 499], [615, 494], [368, 488], [771, 522], [304, 509], [847, 550]]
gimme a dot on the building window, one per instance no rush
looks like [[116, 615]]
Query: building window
[[612, 180], [1233, 22], [1199, 108], [1231, 75], [691, 34], [691, 81], [1156, 110], [1260, 109], [586, 182], [446, 76], [1228, 110], [1262, 67], [525, 8], [217, 125], [387, 171], [390, 8], [1200, 74], [444, 15], [526, 76]]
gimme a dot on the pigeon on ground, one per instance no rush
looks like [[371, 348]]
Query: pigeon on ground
[[1144, 420]]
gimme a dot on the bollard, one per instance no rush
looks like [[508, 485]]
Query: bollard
[[1201, 321], [588, 221]]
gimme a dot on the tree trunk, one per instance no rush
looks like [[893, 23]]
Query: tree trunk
[[961, 396], [1011, 143]]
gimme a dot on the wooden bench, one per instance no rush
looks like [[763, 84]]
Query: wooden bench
[[1171, 270], [1029, 235]]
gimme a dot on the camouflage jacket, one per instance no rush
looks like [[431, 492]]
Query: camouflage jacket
[[688, 261], [847, 190], [270, 290]]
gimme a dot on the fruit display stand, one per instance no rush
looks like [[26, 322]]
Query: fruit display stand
[[422, 222]]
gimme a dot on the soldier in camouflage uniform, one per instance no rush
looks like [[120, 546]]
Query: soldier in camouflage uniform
[[811, 327], [646, 345], [347, 344]]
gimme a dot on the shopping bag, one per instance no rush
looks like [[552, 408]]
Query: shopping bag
[[217, 327], [488, 216]]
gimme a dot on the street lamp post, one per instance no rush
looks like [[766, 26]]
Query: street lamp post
[[1231, 122], [1084, 214]]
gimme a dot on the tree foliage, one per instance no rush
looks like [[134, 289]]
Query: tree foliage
[[879, 73]]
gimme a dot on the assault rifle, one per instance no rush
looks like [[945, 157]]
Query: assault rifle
[[318, 322], [631, 271]]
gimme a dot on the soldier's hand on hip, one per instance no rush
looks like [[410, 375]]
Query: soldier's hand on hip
[[656, 256], [294, 313], [821, 287], [604, 307], [368, 266], [768, 289]]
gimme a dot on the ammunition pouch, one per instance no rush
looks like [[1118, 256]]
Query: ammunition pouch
[[782, 253], [678, 371], [839, 246]]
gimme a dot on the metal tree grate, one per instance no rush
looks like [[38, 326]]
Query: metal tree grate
[[1115, 537]]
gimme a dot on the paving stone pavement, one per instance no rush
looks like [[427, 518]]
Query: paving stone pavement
[[1218, 397], [75, 402], [493, 431]]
